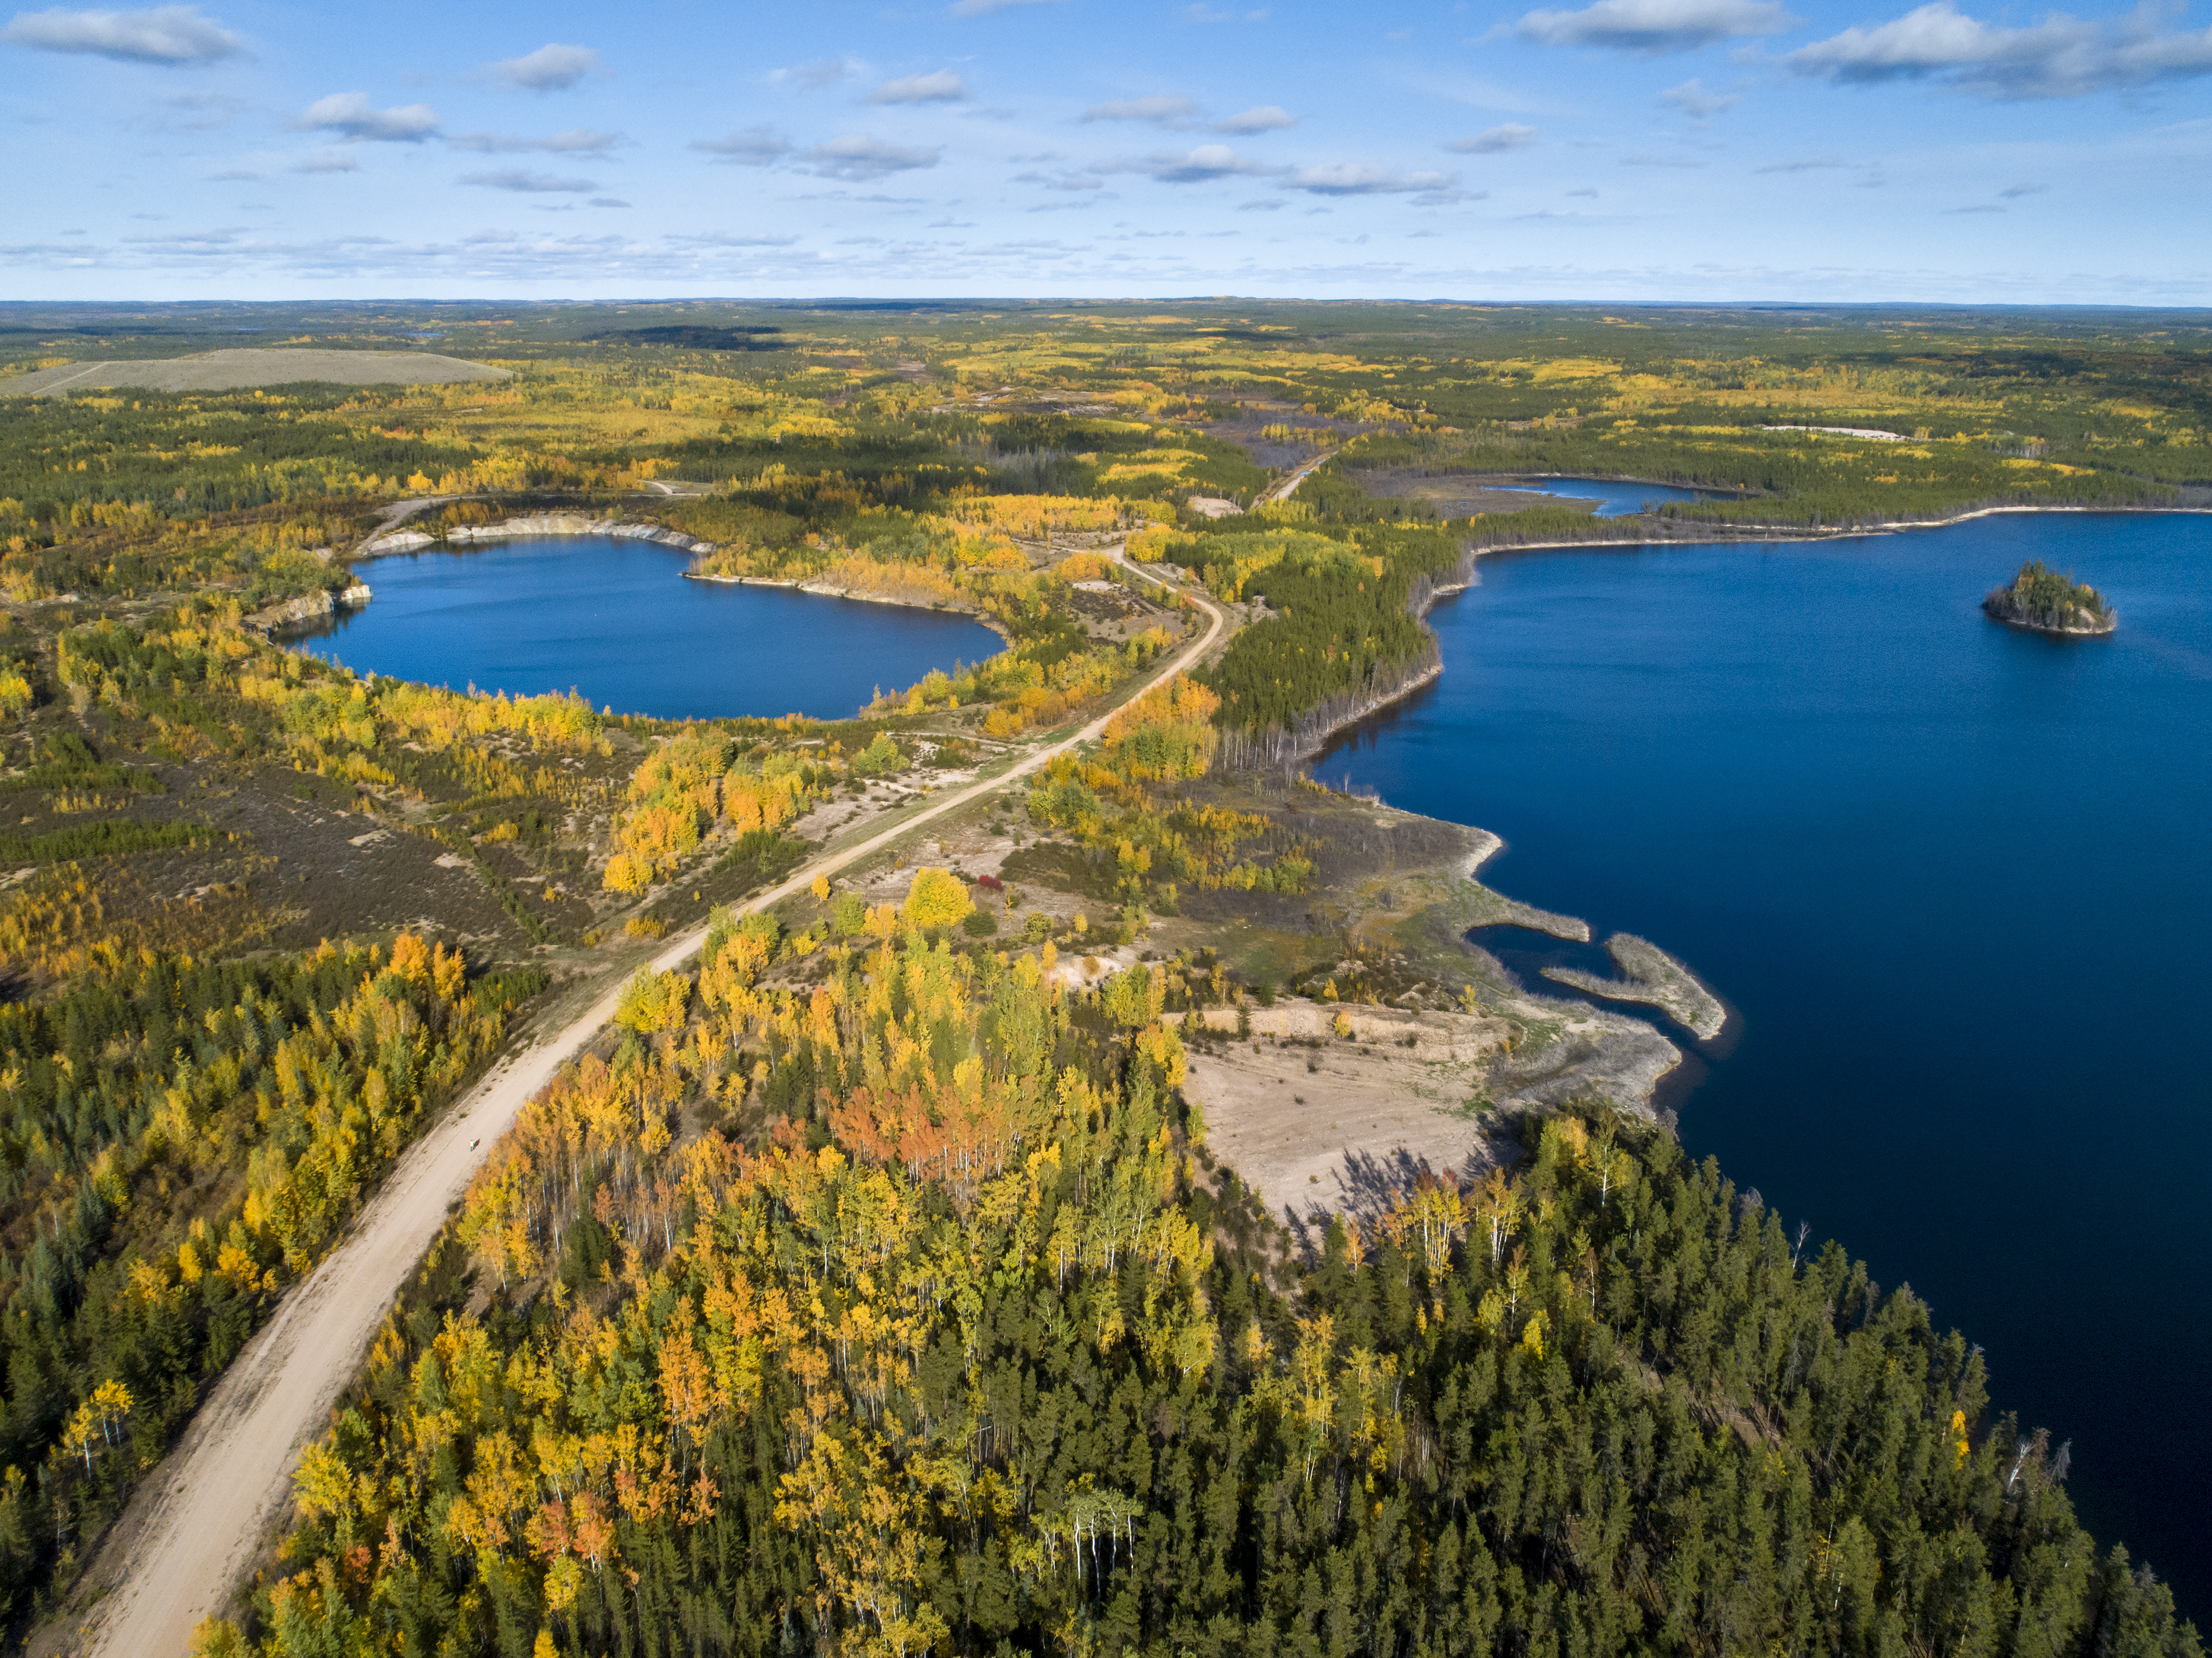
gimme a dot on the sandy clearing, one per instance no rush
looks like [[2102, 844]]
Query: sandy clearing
[[1317, 1129], [1373, 1112], [1345, 1124], [236, 369], [196, 1521]]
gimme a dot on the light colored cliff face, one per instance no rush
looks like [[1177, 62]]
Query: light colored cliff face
[[532, 525], [302, 612], [308, 611]]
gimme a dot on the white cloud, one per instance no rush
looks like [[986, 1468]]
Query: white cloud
[[753, 146], [351, 115], [729, 238], [1266, 118], [1361, 179], [529, 184], [1161, 109], [552, 67], [326, 161], [1179, 114], [1654, 27], [2062, 56], [986, 8], [166, 35], [576, 140], [812, 77], [1694, 101], [857, 158], [943, 86], [2014, 192], [1197, 166], [1511, 136], [606, 201]]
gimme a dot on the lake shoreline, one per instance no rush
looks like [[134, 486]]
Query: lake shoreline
[[1311, 747], [556, 525], [1824, 782], [524, 613], [824, 590], [532, 527]]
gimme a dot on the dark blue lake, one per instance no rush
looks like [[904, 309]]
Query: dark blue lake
[[1955, 879], [618, 621]]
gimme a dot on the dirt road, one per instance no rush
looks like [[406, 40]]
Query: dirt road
[[1282, 490], [195, 1523]]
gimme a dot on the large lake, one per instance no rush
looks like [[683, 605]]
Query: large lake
[[1956, 880], [618, 621]]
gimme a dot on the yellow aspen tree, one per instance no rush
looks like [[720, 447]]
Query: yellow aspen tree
[[1532, 1337]]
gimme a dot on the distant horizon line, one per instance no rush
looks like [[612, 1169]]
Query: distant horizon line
[[895, 301]]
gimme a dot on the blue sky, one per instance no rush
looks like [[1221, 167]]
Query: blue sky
[[1628, 149]]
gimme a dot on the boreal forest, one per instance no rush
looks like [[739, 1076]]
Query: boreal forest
[[873, 1286]]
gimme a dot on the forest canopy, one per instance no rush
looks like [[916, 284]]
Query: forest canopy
[[978, 1351]]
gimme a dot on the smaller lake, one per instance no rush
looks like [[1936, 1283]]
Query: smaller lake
[[618, 621], [1614, 498]]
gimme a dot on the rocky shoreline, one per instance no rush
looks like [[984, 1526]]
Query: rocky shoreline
[[536, 525], [1490, 907], [2003, 605], [308, 611], [1314, 731], [530, 527], [1649, 975]]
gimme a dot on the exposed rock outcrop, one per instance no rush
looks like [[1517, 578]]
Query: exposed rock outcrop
[[532, 524], [308, 610]]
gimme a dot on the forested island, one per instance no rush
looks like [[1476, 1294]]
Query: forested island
[[2041, 599], [877, 1283]]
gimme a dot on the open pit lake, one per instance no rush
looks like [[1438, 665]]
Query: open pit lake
[[618, 621], [1954, 880]]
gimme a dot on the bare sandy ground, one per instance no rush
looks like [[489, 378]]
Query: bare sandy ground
[[1316, 1123], [230, 371], [1283, 490], [196, 1523], [1332, 1127]]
